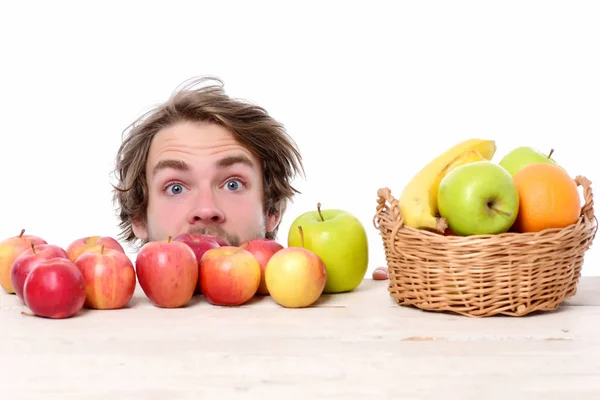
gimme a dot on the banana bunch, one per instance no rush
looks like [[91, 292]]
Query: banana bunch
[[418, 201]]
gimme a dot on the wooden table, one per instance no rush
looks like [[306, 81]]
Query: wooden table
[[359, 345]]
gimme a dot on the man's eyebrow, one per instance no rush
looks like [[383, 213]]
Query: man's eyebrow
[[170, 164], [232, 160]]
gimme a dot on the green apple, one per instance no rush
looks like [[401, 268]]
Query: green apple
[[522, 156], [340, 239], [478, 198]]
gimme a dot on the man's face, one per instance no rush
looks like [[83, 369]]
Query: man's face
[[201, 180]]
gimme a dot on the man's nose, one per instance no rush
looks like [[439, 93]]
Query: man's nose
[[206, 209]]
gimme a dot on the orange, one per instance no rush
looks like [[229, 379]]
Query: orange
[[548, 198]]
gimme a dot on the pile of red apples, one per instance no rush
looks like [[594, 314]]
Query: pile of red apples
[[95, 273]]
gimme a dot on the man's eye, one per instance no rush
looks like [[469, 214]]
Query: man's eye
[[175, 188], [233, 184]]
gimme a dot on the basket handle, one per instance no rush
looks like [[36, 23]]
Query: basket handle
[[385, 195], [588, 208]]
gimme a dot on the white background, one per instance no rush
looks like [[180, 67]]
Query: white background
[[371, 91]]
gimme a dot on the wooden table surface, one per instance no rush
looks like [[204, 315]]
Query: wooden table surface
[[358, 345]]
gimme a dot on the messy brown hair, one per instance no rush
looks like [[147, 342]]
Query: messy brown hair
[[204, 100]]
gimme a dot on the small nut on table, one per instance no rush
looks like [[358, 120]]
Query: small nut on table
[[380, 274]]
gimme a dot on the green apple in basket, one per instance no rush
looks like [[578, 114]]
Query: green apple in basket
[[522, 156], [340, 239], [478, 198]]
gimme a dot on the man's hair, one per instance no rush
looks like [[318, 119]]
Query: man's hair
[[251, 125]]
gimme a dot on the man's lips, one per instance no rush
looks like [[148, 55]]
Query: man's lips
[[212, 235]]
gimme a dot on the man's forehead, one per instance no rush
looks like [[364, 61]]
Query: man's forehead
[[184, 146]]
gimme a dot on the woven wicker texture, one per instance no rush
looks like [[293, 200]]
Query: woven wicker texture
[[510, 274]]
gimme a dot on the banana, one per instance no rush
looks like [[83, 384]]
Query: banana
[[467, 157], [418, 201]]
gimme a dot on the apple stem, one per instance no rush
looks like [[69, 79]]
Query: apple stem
[[22, 232], [169, 239], [301, 236], [551, 151], [319, 211], [240, 247], [32, 247], [102, 250], [500, 211]]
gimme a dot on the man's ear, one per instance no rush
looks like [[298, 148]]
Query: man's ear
[[272, 222], [139, 228]]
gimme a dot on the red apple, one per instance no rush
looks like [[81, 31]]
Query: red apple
[[90, 243], [10, 249], [109, 278], [167, 272], [28, 260], [229, 275], [199, 244], [262, 250], [296, 277], [55, 289]]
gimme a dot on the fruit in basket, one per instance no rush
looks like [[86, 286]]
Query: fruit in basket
[[54, 289], [167, 272], [10, 249], [28, 260], [522, 156], [91, 243], [229, 275], [467, 157], [109, 278], [418, 201], [263, 249], [478, 198], [340, 240], [296, 277], [549, 198]]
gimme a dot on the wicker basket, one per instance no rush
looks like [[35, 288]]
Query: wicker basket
[[510, 274]]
